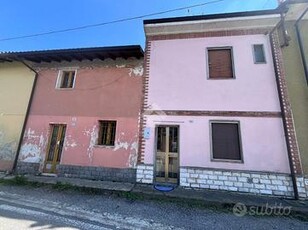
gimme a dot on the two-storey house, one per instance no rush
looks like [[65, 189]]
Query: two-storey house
[[83, 119], [212, 116]]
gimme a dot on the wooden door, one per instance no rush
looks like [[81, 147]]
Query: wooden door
[[54, 150], [167, 154]]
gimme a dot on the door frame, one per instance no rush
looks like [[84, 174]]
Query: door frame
[[155, 153], [50, 131]]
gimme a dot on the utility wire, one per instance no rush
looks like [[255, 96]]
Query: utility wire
[[107, 23]]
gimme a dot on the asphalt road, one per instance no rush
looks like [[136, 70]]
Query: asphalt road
[[24, 207]]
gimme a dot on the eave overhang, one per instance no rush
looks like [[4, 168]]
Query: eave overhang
[[79, 54]]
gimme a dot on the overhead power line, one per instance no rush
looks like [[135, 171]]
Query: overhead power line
[[107, 23]]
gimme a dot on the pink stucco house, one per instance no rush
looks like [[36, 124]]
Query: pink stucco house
[[84, 114], [213, 113]]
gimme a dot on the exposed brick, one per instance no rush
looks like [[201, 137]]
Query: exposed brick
[[229, 183], [212, 177], [194, 185], [193, 175], [259, 186], [253, 190], [267, 192], [214, 187], [190, 180], [227, 173], [203, 176], [200, 181], [242, 179], [233, 178], [186, 175], [234, 189], [263, 181], [277, 182], [222, 178], [271, 187], [218, 183]]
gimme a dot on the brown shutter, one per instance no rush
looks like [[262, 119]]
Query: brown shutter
[[226, 143], [220, 63]]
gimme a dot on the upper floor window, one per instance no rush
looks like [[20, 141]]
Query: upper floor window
[[258, 52], [220, 63], [107, 132], [66, 79]]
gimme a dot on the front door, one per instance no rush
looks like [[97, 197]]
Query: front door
[[55, 147], [167, 154]]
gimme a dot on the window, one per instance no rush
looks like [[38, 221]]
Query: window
[[259, 56], [226, 141], [66, 79], [220, 64], [107, 133]]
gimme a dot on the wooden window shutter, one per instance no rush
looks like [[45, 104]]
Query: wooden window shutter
[[226, 141], [220, 63]]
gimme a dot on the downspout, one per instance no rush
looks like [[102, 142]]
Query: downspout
[[27, 114], [293, 176], [300, 43]]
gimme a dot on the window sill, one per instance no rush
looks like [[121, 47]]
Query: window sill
[[64, 88], [221, 78], [227, 161], [104, 146]]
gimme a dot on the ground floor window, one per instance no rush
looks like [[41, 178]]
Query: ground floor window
[[107, 131], [226, 141]]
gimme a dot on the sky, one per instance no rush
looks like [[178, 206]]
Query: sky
[[20, 18]]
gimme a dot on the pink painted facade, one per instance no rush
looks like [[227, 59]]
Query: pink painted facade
[[178, 81], [181, 66], [103, 90]]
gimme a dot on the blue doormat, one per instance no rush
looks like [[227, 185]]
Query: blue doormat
[[164, 188]]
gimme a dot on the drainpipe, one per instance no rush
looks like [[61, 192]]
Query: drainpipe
[[27, 114], [286, 37], [300, 43], [293, 176]]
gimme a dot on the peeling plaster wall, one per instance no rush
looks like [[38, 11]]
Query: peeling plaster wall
[[109, 90], [80, 144], [15, 88]]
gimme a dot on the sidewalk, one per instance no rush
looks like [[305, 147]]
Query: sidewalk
[[212, 198]]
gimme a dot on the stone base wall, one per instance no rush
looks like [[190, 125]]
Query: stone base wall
[[98, 173], [237, 181], [302, 187], [145, 173], [27, 168]]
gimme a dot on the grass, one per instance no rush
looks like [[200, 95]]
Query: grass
[[17, 180], [63, 186], [20, 180]]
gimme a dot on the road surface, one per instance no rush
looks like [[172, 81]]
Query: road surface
[[23, 207]]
